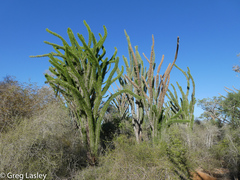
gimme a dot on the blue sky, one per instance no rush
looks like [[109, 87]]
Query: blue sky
[[208, 31]]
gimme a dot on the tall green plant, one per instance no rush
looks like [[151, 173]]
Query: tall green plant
[[80, 77], [121, 103], [151, 88], [182, 111], [135, 69], [157, 87]]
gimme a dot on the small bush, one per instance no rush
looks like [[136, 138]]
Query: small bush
[[177, 152], [227, 151], [195, 145]]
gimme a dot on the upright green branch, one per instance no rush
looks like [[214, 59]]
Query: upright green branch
[[182, 111], [80, 77], [132, 81], [157, 87], [121, 103], [151, 88]]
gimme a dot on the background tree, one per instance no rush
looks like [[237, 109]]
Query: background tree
[[231, 107], [236, 68], [213, 110], [222, 110]]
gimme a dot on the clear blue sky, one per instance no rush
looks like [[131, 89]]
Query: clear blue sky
[[209, 35]]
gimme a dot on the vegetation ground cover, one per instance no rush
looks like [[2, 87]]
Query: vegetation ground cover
[[71, 131]]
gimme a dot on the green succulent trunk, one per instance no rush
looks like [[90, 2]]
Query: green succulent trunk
[[80, 77], [151, 88]]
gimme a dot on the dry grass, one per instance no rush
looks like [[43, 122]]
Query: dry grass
[[48, 143], [132, 161]]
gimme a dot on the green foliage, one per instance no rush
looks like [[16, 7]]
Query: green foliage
[[80, 78], [114, 124], [45, 140], [183, 110], [213, 110], [228, 151], [48, 144], [231, 107], [236, 68], [132, 81], [177, 154], [121, 104], [222, 110], [151, 88], [157, 87]]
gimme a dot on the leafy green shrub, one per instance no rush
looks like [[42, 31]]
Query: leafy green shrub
[[231, 107], [227, 151], [197, 144], [113, 125], [46, 144], [177, 153], [190, 150]]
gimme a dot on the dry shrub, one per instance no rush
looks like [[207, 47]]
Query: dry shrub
[[21, 100], [199, 143], [210, 148], [132, 161], [46, 143]]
